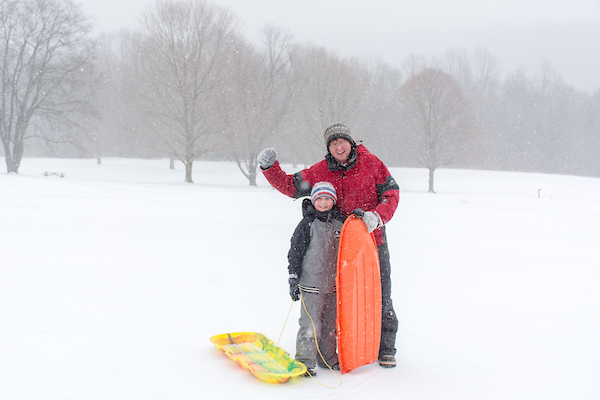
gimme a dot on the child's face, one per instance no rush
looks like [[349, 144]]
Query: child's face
[[323, 203]]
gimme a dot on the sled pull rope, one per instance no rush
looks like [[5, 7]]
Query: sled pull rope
[[319, 350], [284, 324], [282, 329]]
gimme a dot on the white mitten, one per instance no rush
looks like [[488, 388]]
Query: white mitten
[[267, 158], [371, 220]]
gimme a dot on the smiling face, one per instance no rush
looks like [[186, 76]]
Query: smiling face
[[323, 203], [340, 150]]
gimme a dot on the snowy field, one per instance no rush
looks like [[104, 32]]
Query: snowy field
[[113, 278]]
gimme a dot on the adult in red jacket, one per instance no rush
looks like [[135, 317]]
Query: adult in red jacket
[[364, 187]]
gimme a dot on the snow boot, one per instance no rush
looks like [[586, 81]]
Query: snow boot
[[387, 361], [310, 372]]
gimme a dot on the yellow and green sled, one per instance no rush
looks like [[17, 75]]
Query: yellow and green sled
[[259, 355]]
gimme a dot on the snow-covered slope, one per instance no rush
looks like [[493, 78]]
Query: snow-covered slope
[[113, 278]]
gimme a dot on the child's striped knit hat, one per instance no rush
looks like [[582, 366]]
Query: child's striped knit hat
[[323, 189]]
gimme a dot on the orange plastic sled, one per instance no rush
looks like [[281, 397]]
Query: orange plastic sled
[[358, 297]]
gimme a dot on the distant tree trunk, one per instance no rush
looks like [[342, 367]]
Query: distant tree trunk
[[188, 171], [12, 164], [171, 163], [250, 172], [98, 160], [431, 172]]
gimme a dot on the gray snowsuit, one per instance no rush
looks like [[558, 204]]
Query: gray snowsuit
[[313, 258]]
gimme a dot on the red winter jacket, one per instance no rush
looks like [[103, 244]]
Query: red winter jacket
[[365, 183]]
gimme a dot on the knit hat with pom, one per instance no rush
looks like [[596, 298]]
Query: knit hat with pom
[[323, 189], [337, 131]]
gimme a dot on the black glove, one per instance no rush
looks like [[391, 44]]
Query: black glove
[[294, 289], [359, 212], [371, 219]]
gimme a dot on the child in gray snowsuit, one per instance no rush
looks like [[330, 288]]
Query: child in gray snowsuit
[[312, 268]]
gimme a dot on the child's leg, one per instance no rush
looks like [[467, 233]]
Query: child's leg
[[328, 340], [306, 350]]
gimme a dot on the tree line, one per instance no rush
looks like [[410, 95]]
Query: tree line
[[187, 85]]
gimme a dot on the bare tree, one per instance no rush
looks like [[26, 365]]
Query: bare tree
[[483, 97], [44, 53], [327, 89], [456, 63], [111, 123], [485, 71], [437, 118], [539, 123], [258, 97], [378, 124], [182, 55], [414, 64]]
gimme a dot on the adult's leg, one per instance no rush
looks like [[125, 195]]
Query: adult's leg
[[389, 321]]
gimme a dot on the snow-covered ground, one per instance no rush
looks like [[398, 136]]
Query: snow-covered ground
[[113, 278]]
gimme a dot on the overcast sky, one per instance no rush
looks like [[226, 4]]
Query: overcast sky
[[520, 33]]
